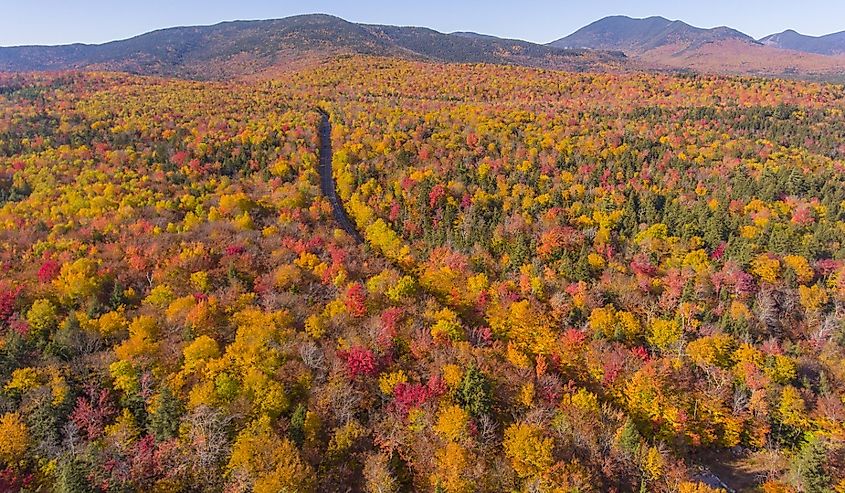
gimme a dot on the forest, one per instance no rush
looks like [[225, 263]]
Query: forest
[[569, 282]]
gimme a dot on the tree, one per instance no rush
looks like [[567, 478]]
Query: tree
[[473, 393], [664, 334], [14, 440], [452, 423], [812, 298], [93, 412], [42, 316], [792, 408], [810, 467], [207, 436], [697, 487], [78, 280], [165, 415], [451, 469], [202, 349], [530, 453], [767, 268], [712, 351], [378, 474], [71, 476], [268, 463], [355, 299], [447, 325], [359, 361]]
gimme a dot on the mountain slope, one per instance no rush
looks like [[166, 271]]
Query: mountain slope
[[223, 50], [741, 58], [831, 44], [636, 36], [479, 48], [245, 48], [662, 43]]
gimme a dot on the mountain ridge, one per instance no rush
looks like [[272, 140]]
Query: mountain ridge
[[828, 44], [261, 48], [242, 48], [676, 45], [634, 35]]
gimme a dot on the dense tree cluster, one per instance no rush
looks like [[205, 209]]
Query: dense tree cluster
[[570, 282]]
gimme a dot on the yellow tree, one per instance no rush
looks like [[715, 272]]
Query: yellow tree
[[525, 325], [712, 351], [529, 451], [14, 440], [269, 463], [664, 334], [452, 462], [78, 280], [452, 423]]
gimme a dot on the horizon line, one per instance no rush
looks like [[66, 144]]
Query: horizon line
[[230, 21]]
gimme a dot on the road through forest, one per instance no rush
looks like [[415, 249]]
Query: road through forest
[[327, 182], [329, 189]]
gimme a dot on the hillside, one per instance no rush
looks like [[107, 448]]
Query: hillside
[[246, 48], [737, 57], [478, 48], [664, 44], [224, 50], [635, 36], [831, 44]]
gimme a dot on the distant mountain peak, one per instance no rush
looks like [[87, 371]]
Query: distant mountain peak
[[676, 45], [634, 36], [830, 44]]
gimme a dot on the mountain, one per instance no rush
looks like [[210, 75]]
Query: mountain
[[480, 48], [667, 44], [636, 36], [831, 44], [223, 50], [262, 48], [248, 48]]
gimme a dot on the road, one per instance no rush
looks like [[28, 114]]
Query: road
[[329, 189], [327, 182]]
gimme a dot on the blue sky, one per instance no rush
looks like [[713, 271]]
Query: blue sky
[[96, 21]]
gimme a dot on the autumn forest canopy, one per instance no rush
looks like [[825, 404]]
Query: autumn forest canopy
[[569, 282]]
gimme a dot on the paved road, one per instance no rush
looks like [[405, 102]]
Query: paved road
[[327, 183]]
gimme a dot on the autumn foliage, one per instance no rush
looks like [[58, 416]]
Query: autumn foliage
[[569, 282]]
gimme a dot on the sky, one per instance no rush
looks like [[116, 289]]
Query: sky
[[96, 21]]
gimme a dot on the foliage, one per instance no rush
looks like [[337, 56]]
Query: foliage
[[14, 443], [596, 278], [529, 451]]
